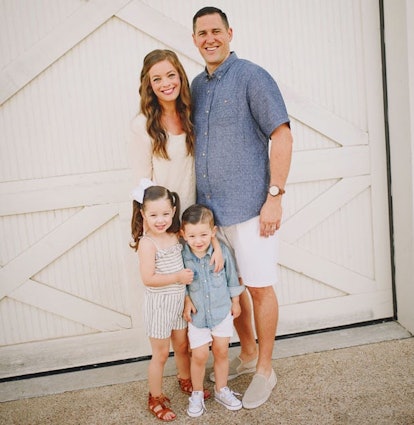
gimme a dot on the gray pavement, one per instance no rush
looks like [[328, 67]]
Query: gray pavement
[[359, 376]]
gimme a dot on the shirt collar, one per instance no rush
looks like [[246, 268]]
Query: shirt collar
[[223, 68]]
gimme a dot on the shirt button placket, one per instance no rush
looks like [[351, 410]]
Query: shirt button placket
[[209, 92]]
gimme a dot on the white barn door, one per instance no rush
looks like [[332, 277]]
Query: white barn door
[[69, 288]]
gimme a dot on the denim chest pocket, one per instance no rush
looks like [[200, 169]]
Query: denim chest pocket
[[226, 112], [217, 279]]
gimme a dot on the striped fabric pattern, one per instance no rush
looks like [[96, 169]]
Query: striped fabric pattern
[[168, 260]]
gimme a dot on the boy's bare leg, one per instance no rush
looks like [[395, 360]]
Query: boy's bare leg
[[220, 350]]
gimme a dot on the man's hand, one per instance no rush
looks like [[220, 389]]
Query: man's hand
[[270, 216]]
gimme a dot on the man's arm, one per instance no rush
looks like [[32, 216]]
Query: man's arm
[[280, 159]]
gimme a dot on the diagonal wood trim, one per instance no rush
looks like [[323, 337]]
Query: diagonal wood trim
[[322, 207], [53, 245], [331, 274], [332, 163], [70, 306], [323, 120], [79, 25]]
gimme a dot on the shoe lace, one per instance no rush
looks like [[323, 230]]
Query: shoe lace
[[197, 401], [228, 394]]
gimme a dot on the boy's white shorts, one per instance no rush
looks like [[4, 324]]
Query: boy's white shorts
[[201, 336]]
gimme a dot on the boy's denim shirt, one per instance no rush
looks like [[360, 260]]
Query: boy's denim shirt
[[211, 292]]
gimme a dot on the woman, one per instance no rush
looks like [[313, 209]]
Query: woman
[[162, 142]]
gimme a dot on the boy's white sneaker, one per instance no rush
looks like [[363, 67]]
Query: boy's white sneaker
[[228, 398], [196, 405]]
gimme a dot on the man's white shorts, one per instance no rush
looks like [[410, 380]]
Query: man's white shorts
[[201, 336], [256, 256]]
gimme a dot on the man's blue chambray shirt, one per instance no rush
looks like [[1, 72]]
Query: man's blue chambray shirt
[[235, 110], [211, 292]]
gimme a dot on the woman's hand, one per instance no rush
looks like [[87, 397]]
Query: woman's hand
[[235, 307], [217, 257]]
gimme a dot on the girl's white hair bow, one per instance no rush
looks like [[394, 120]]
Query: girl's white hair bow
[[137, 194]]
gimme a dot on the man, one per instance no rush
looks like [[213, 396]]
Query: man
[[237, 108]]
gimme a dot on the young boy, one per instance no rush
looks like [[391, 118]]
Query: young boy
[[212, 302]]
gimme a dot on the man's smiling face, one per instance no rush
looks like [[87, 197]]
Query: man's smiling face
[[212, 39]]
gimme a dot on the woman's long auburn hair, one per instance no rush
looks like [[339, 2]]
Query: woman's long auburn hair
[[151, 108]]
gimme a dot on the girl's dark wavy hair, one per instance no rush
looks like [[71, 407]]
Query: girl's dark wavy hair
[[151, 108], [153, 193]]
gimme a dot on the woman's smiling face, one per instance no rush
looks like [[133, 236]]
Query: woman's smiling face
[[165, 81]]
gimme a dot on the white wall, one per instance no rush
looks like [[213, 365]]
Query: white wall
[[399, 42]]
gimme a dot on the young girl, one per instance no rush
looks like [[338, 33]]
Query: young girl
[[165, 278]]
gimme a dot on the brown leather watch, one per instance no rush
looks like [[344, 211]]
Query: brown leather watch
[[275, 190]]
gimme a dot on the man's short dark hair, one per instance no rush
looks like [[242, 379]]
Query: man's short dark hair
[[210, 10]]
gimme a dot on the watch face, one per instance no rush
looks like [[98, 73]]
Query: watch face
[[274, 190]]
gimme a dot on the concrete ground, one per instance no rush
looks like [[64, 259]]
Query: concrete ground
[[359, 376]]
